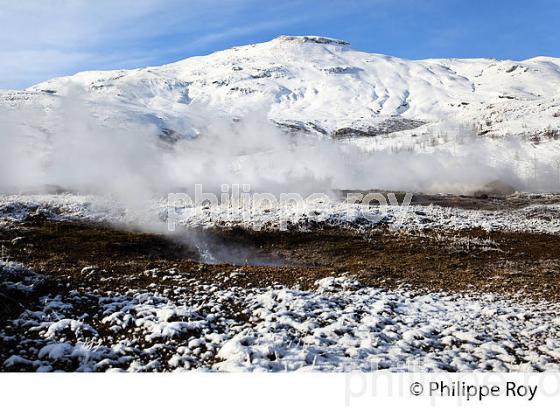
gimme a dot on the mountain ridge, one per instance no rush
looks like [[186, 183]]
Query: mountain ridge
[[322, 86]]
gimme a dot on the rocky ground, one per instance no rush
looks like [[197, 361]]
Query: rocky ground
[[86, 295]]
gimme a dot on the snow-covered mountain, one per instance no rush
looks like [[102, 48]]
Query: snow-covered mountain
[[319, 85]]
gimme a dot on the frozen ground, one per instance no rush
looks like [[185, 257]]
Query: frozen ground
[[181, 324], [173, 320], [533, 218]]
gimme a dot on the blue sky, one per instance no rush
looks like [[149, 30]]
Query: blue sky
[[41, 39]]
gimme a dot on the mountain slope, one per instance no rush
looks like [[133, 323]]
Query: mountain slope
[[319, 85]]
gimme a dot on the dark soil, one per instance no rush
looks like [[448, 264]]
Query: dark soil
[[526, 264]]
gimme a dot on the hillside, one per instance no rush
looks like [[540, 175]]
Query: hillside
[[322, 86], [477, 121]]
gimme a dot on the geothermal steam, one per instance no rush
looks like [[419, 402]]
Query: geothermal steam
[[77, 148]]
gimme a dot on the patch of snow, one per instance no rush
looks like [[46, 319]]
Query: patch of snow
[[307, 215], [341, 325]]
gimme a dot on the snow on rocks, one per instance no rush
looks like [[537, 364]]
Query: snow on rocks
[[73, 207], [18, 208], [338, 326], [534, 218], [76, 327], [312, 214], [339, 214], [16, 277]]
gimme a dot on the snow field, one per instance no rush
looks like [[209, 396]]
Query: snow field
[[338, 326]]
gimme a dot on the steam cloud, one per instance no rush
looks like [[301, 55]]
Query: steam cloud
[[77, 148]]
